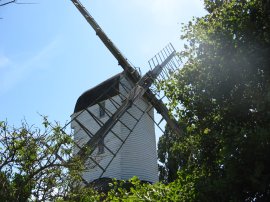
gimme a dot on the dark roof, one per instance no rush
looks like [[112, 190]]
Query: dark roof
[[103, 91]]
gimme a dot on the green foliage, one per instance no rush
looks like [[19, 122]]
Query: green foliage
[[30, 167], [147, 192], [81, 194], [222, 97]]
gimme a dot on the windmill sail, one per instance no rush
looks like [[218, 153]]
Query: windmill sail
[[124, 99], [108, 116], [131, 72]]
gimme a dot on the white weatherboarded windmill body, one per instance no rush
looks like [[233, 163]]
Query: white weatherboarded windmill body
[[113, 123], [138, 156]]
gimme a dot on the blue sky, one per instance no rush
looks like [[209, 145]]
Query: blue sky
[[49, 55]]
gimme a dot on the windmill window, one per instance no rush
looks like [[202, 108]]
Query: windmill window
[[102, 109], [101, 146]]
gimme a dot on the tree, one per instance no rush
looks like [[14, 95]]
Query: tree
[[222, 94], [36, 164], [170, 161], [7, 2]]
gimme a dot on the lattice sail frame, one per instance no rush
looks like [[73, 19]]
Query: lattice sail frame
[[168, 71], [162, 65], [113, 141]]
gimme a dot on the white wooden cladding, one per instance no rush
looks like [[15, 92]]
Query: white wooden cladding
[[137, 156]]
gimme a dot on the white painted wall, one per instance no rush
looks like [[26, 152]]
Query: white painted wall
[[137, 157]]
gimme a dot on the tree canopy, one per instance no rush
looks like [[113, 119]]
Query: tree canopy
[[222, 99], [36, 163]]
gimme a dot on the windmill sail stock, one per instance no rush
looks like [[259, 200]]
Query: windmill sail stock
[[89, 138], [122, 105], [130, 71]]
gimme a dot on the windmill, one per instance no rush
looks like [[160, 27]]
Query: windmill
[[113, 123]]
